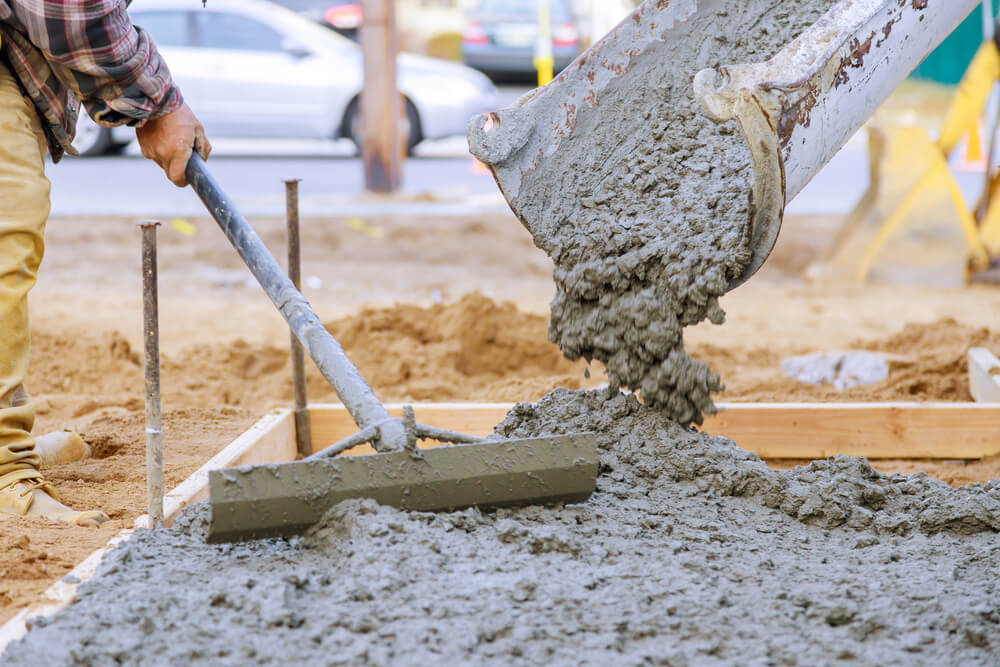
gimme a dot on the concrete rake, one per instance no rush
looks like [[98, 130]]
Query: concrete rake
[[271, 500]]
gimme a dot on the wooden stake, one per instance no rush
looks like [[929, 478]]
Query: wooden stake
[[381, 105]]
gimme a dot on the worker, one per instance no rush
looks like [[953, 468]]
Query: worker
[[53, 56]]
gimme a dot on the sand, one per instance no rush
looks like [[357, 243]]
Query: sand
[[691, 551], [927, 362]]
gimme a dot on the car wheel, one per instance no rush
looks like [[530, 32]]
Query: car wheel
[[409, 124], [93, 139]]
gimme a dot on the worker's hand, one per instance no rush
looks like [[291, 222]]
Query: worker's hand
[[168, 141]]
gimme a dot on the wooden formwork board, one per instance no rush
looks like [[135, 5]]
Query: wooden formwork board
[[774, 430], [873, 430]]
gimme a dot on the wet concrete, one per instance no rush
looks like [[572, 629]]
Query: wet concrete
[[645, 209], [691, 551]]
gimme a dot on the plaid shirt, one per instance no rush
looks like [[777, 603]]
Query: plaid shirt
[[68, 50]]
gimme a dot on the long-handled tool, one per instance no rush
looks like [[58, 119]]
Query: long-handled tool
[[283, 499]]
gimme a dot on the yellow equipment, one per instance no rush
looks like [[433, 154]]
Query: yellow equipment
[[909, 151]]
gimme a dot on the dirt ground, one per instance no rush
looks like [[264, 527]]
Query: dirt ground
[[454, 339]]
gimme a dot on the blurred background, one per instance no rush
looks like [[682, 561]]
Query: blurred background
[[253, 71], [278, 86]]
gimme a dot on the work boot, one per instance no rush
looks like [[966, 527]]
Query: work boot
[[61, 447], [36, 498]]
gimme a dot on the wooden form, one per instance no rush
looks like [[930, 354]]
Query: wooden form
[[873, 430], [984, 375], [774, 430]]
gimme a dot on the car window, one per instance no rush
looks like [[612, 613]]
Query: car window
[[167, 28], [223, 30]]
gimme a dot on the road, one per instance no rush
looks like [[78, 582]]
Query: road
[[131, 185], [442, 179], [445, 179]]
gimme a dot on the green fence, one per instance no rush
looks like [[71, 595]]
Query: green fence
[[947, 63]]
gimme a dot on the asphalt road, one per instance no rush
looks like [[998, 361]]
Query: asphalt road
[[330, 185], [441, 180]]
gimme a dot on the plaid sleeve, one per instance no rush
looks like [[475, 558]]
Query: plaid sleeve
[[93, 48]]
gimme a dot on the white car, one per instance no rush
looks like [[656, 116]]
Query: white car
[[251, 68]]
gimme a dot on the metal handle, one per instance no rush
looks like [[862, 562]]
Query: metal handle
[[323, 348]]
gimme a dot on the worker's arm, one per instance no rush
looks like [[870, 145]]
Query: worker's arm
[[116, 71]]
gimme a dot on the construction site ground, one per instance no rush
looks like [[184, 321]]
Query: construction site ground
[[446, 309]]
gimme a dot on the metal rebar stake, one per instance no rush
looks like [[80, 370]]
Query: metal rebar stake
[[303, 439], [151, 337]]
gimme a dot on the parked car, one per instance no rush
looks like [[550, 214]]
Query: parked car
[[500, 35], [250, 68], [343, 16]]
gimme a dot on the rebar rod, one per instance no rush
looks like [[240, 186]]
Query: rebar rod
[[303, 439], [151, 339]]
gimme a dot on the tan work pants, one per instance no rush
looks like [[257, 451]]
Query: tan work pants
[[24, 208]]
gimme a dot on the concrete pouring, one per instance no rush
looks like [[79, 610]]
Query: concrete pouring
[[646, 210]]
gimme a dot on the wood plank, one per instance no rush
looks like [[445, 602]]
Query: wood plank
[[984, 375], [773, 430], [874, 430]]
